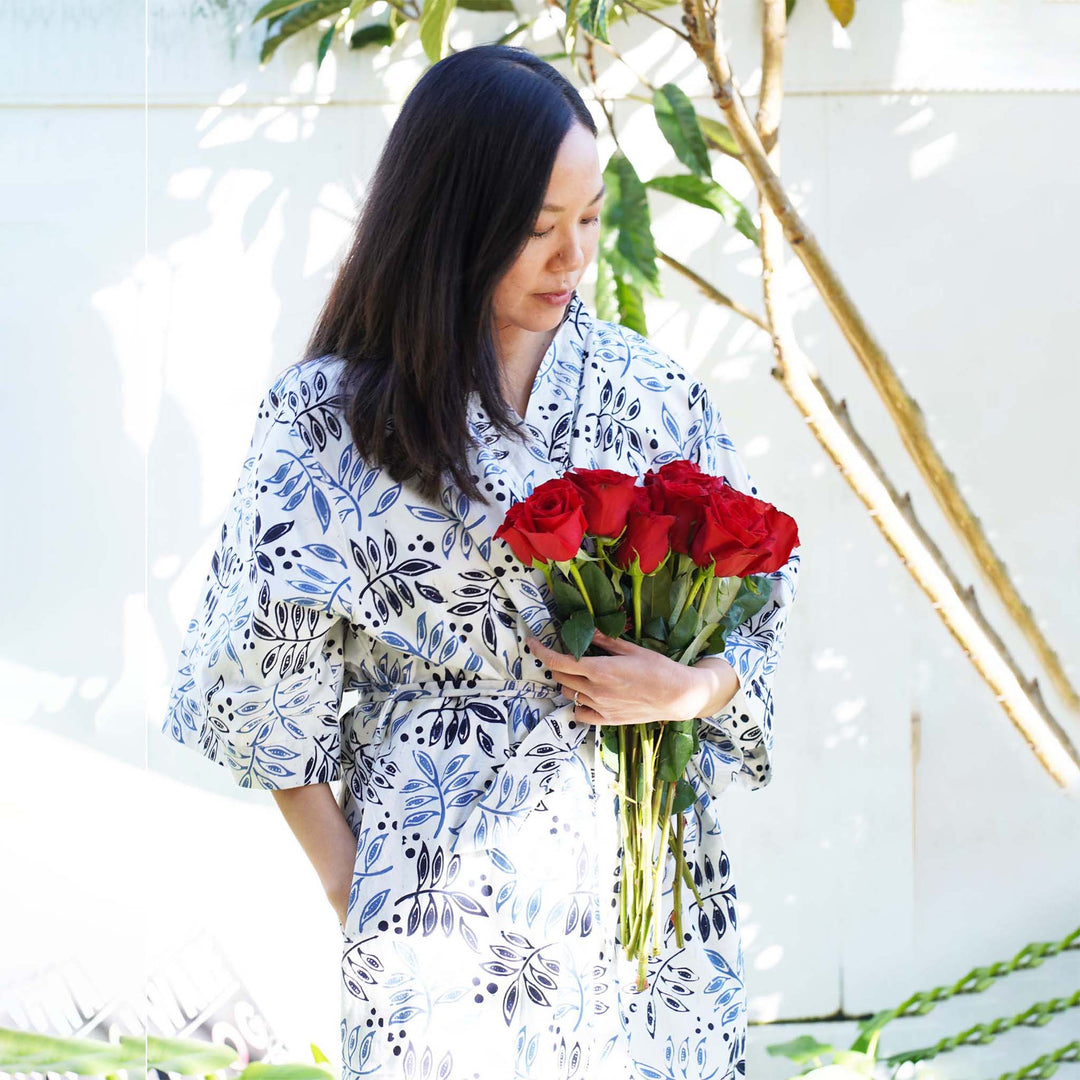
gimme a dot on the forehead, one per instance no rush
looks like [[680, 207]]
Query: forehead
[[575, 179]]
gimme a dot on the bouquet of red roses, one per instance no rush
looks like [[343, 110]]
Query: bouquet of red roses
[[674, 562]]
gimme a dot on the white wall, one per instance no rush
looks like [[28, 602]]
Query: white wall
[[171, 223]]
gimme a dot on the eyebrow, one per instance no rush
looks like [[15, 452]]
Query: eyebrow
[[559, 209]]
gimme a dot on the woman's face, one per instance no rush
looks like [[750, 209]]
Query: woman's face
[[569, 229]]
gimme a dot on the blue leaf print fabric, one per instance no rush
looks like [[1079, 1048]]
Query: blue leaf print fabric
[[481, 938]]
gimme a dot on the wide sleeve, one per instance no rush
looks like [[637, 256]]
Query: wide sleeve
[[258, 685], [753, 648]]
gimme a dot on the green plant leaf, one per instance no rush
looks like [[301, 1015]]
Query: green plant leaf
[[567, 597], [296, 20], [804, 1048], [656, 594], [685, 630], [752, 596], [514, 31], [720, 134], [487, 5], [275, 8], [621, 12], [317, 1054], [609, 747], [324, 45], [627, 229], [29, 1051], [374, 34], [593, 19], [676, 748], [187, 1056], [577, 633], [570, 23], [433, 20], [601, 591], [677, 121], [860, 1064], [261, 1070], [712, 196], [631, 306], [606, 295], [612, 623], [684, 796]]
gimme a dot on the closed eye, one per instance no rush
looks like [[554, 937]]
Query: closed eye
[[585, 221]]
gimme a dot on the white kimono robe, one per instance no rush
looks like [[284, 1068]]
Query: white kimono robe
[[481, 935]]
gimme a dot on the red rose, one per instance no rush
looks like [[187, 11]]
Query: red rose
[[548, 525], [743, 534], [607, 495], [683, 489], [646, 534], [683, 469]]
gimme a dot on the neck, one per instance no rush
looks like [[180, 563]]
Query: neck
[[520, 358]]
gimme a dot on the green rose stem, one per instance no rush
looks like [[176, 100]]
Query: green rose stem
[[575, 573], [624, 838], [545, 566], [676, 884], [667, 791]]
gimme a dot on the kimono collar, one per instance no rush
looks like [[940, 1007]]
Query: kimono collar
[[508, 470]]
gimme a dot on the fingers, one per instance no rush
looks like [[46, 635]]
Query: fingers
[[557, 661]]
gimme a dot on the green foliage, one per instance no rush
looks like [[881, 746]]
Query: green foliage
[[627, 256], [577, 633], [626, 243], [677, 121], [710, 195], [433, 20], [29, 1051], [862, 1056]]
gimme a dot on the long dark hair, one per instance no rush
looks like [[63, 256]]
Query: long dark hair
[[456, 192]]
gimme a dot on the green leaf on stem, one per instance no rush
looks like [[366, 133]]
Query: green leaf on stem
[[656, 628], [627, 239], [752, 596], [612, 623], [598, 584], [710, 195], [685, 630], [677, 121], [684, 797], [433, 21], [373, 34], [593, 19], [577, 633], [297, 19], [609, 746], [676, 747], [567, 597], [656, 592]]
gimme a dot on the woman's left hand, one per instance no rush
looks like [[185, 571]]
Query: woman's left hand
[[634, 685]]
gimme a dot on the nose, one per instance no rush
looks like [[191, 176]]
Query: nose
[[571, 255]]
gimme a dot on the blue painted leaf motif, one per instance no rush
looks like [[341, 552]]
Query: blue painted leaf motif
[[373, 907], [386, 500]]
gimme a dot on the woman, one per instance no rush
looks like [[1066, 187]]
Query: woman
[[472, 859]]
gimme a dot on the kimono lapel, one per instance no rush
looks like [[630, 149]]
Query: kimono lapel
[[541, 762]]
